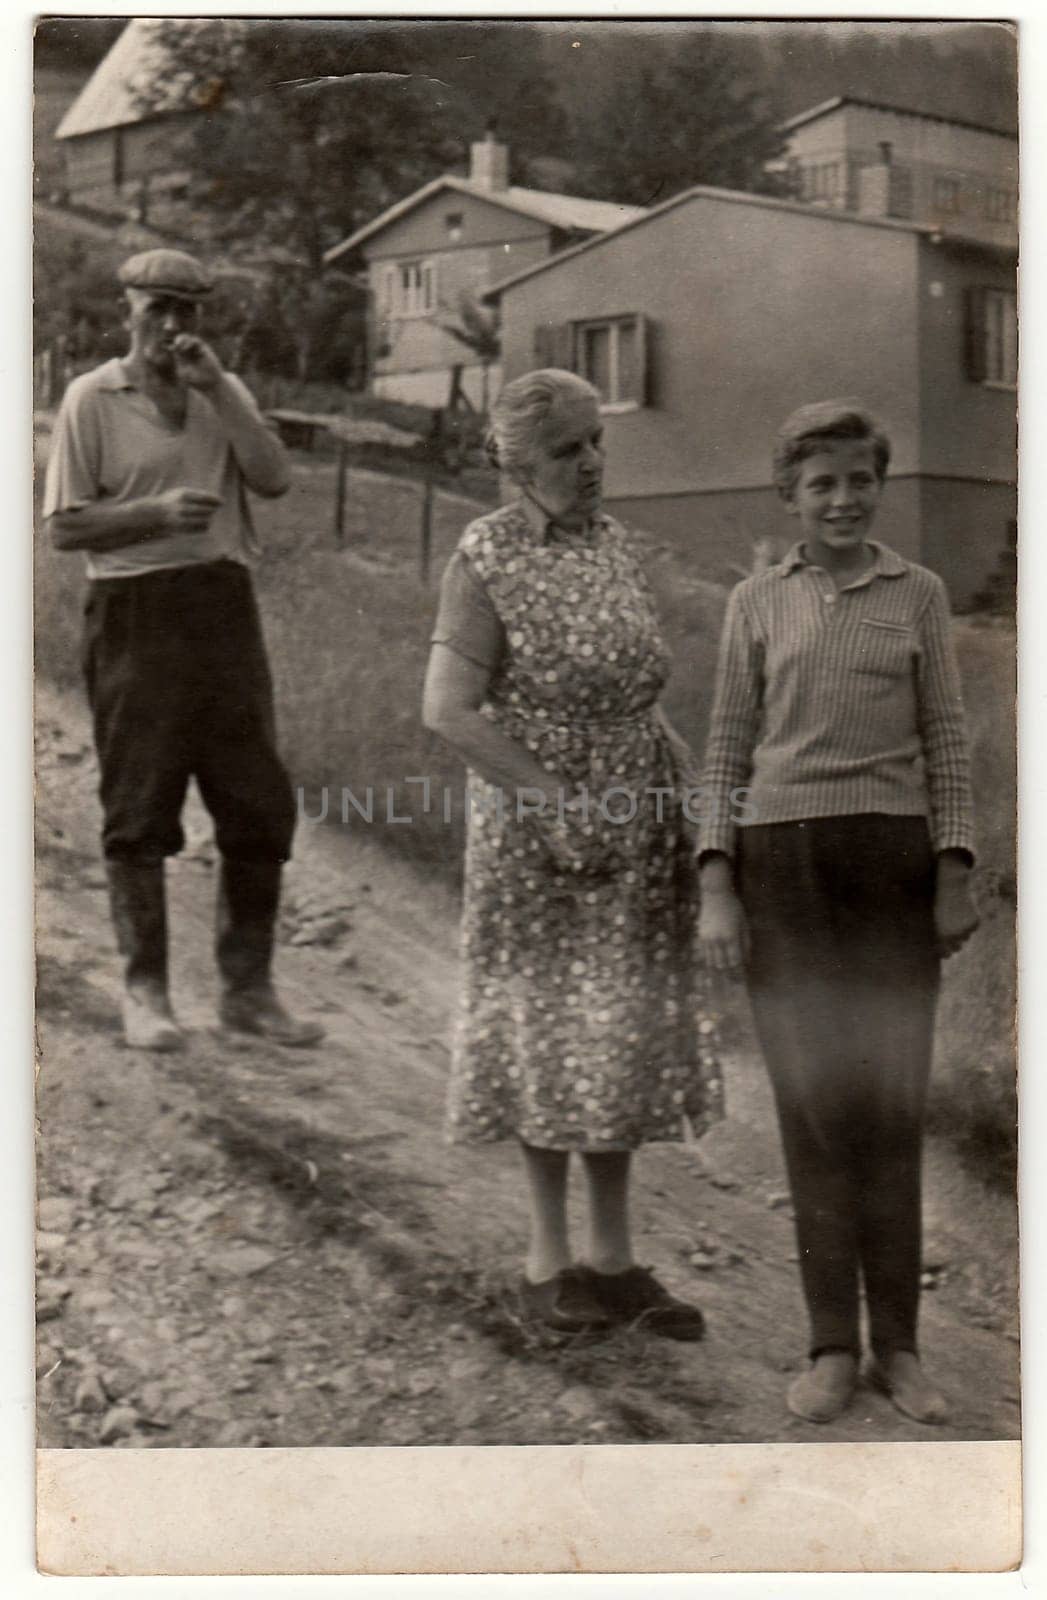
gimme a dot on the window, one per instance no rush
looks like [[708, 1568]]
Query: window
[[612, 355], [946, 196], [1001, 205], [453, 221], [409, 289], [992, 337], [821, 182]]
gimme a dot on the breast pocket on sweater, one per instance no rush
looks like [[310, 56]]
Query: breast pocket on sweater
[[885, 649]]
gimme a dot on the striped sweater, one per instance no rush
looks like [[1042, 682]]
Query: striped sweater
[[833, 703]]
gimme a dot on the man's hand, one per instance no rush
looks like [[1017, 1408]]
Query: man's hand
[[195, 362], [955, 914], [186, 510]]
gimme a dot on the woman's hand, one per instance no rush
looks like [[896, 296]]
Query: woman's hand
[[955, 913], [574, 843]]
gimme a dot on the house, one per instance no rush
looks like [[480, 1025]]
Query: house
[[860, 155], [708, 319], [438, 250], [120, 136]]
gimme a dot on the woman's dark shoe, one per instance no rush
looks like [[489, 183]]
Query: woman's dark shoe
[[564, 1302], [635, 1296]]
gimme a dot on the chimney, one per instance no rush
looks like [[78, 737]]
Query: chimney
[[885, 189], [489, 162]]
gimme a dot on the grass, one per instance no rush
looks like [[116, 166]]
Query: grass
[[348, 637]]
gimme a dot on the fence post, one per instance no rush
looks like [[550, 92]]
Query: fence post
[[339, 493], [425, 554]]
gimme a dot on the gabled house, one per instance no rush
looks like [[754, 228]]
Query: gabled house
[[121, 134], [437, 251], [708, 319]]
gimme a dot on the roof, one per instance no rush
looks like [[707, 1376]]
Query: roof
[[558, 210], [137, 61], [827, 107], [728, 197]]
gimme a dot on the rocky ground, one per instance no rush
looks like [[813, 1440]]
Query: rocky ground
[[241, 1246]]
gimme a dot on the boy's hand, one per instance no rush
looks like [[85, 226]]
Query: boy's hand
[[955, 914], [722, 933], [196, 363]]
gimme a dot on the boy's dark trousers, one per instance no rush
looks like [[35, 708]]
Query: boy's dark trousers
[[843, 978]]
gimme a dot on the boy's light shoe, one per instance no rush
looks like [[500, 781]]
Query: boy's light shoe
[[826, 1389], [901, 1378], [148, 1023]]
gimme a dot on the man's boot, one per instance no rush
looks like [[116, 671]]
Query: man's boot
[[248, 902], [136, 897]]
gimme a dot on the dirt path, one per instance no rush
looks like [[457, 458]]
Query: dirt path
[[246, 1246]]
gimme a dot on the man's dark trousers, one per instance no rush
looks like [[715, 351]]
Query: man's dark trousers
[[843, 978], [179, 687]]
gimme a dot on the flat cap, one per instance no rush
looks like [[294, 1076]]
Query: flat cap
[[166, 272]]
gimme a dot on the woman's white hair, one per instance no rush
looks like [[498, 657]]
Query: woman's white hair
[[521, 408]]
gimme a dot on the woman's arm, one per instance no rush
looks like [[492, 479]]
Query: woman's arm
[[455, 689]]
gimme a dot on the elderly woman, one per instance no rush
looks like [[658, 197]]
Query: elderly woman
[[578, 1029]]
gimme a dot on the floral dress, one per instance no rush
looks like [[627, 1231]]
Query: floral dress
[[579, 1026]]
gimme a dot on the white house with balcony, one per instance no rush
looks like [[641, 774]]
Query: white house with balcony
[[859, 155]]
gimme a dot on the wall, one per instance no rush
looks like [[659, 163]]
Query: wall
[[423, 230], [964, 527], [715, 533], [924, 149], [420, 352], [756, 309], [431, 388], [146, 150], [967, 429]]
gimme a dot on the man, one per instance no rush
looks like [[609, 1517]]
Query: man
[[151, 456]]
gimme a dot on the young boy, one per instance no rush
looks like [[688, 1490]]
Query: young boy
[[838, 708]]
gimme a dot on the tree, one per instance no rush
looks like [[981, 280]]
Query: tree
[[673, 106], [307, 129]]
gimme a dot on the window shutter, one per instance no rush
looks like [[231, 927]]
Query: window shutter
[[563, 346], [543, 344], [429, 286], [554, 345], [647, 359], [975, 335], [644, 380]]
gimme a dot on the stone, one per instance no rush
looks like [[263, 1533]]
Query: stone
[[240, 1260], [94, 1299], [702, 1261], [778, 1201], [578, 1403], [469, 1369], [50, 1244], [117, 1423], [90, 1395], [235, 1434], [153, 1401], [420, 1383], [56, 1214]]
